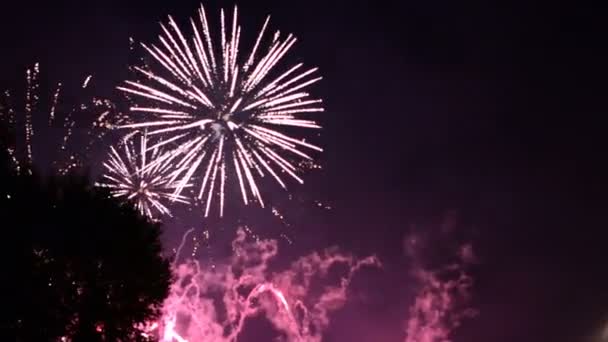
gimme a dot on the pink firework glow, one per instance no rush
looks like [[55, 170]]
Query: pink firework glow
[[213, 302], [443, 298], [225, 111]]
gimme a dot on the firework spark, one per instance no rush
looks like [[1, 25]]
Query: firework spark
[[73, 129], [142, 176], [213, 303], [224, 111]]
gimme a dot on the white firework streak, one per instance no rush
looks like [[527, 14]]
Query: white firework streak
[[142, 176], [203, 89]]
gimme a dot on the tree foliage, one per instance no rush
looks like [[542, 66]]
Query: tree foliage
[[78, 263]]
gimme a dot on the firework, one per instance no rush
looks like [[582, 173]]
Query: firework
[[71, 128], [225, 112], [141, 175], [213, 302]]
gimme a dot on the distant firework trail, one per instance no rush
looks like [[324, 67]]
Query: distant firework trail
[[141, 176], [223, 111], [60, 125]]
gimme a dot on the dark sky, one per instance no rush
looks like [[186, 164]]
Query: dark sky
[[491, 110]]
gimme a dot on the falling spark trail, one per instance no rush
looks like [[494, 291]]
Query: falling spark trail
[[70, 130]]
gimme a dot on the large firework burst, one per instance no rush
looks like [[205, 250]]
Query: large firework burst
[[224, 112], [137, 176], [68, 130]]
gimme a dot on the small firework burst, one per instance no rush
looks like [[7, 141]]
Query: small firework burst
[[141, 175]]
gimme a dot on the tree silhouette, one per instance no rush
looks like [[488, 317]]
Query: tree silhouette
[[79, 264]]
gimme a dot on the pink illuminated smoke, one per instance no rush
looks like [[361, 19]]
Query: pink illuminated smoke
[[213, 302], [443, 299]]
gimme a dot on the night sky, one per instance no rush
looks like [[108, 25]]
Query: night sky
[[485, 111]]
